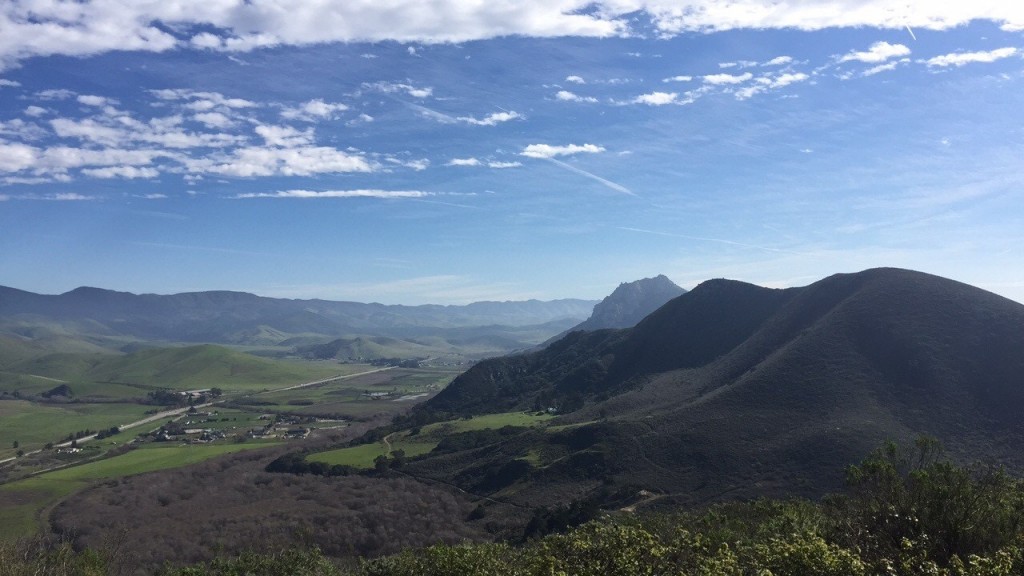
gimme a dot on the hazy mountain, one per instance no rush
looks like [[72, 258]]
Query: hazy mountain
[[238, 317], [737, 390], [630, 303]]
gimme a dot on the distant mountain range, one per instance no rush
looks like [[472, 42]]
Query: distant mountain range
[[242, 318], [734, 390]]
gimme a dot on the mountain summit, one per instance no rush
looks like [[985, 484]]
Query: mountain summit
[[630, 303]]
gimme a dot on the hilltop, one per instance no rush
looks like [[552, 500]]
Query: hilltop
[[734, 390]]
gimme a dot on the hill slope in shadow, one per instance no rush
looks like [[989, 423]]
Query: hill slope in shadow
[[734, 390]]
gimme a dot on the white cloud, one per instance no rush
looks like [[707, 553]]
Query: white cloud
[[885, 67], [463, 162], [91, 100], [719, 79], [878, 52], [548, 151], [675, 17], [677, 79], [54, 94], [22, 130], [43, 28], [17, 157], [213, 119], [68, 196], [313, 110], [656, 98], [491, 120], [417, 165], [393, 87], [5, 83], [202, 100], [122, 172], [566, 96], [963, 58], [502, 165], [276, 161], [35, 111], [779, 61], [307, 194], [575, 79], [285, 136], [766, 83], [738, 64]]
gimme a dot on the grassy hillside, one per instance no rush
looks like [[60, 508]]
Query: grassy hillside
[[184, 368], [733, 390]]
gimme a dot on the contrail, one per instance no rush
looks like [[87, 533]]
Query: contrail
[[911, 33], [608, 183], [719, 240]]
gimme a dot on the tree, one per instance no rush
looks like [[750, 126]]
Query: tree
[[398, 458], [15, 444], [380, 463]]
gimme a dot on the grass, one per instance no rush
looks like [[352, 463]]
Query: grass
[[362, 456], [33, 425], [485, 421], [23, 500]]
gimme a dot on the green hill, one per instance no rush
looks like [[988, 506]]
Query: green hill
[[202, 367], [734, 390], [184, 368]]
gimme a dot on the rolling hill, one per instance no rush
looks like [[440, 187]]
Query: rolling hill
[[113, 319], [733, 390]]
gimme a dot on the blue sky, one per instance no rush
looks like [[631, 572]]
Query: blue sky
[[448, 152]]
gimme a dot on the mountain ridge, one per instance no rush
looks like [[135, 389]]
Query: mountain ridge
[[742, 391], [234, 317]]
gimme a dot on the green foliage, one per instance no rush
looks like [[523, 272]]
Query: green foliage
[[916, 504], [294, 562], [32, 558]]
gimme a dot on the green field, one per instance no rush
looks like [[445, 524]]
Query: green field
[[122, 380], [32, 425], [22, 501], [362, 456]]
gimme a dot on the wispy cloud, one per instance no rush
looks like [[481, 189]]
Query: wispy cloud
[[308, 194], [492, 119], [548, 151], [313, 110], [964, 58], [717, 240], [595, 177]]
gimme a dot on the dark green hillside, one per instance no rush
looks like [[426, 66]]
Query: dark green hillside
[[733, 390]]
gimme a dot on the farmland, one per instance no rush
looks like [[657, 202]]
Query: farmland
[[222, 401]]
